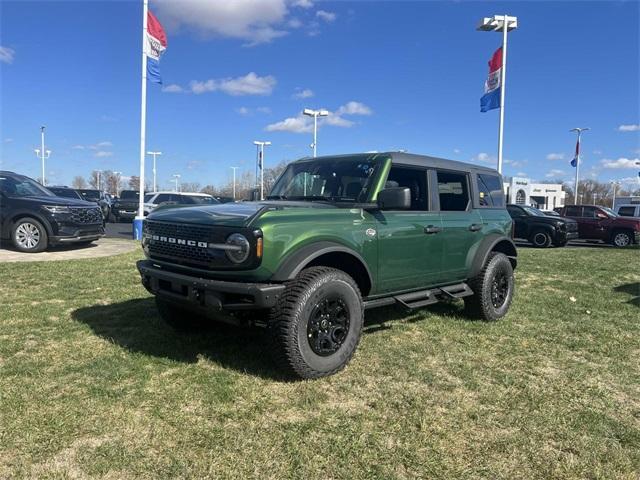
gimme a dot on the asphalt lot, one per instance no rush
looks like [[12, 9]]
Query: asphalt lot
[[119, 230]]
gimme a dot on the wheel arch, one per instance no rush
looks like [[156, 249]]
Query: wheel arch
[[327, 254], [11, 221], [493, 243]]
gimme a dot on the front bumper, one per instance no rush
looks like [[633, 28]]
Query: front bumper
[[205, 293], [73, 234], [125, 213]]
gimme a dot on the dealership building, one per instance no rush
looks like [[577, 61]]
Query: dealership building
[[522, 191]]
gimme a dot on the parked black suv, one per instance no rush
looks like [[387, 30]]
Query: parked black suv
[[98, 197], [126, 207], [33, 218], [541, 230], [64, 192]]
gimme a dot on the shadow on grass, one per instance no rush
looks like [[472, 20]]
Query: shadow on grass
[[136, 326], [632, 289]]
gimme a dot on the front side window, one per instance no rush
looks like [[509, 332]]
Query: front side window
[[453, 190], [22, 187], [533, 211], [589, 212], [334, 180], [490, 191], [90, 195], [515, 212], [574, 211], [414, 179]]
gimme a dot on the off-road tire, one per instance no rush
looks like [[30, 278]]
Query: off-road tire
[[180, 319], [621, 238], [289, 322], [481, 305], [21, 228], [540, 239]]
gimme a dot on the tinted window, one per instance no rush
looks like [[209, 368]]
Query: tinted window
[[415, 180], [453, 191], [627, 211], [22, 187], [490, 191], [573, 211], [589, 212], [65, 192], [91, 195], [165, 197], [129, 194], [515, 212]]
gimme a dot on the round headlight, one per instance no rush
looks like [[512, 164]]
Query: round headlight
[[241, 253]]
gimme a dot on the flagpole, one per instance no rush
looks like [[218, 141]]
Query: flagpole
[[503, 78], [575, 193], [143, 109]]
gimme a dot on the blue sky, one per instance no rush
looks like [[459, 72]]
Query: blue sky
[[395, 75]]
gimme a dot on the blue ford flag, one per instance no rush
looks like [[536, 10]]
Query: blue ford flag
[[492, 87]]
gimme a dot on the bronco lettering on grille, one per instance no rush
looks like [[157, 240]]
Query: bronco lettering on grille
[[179, 241]]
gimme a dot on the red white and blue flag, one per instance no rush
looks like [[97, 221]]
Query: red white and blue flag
[[576, 157], [154, 47], [491, 97]]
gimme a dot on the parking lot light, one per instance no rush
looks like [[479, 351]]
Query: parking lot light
[[260, 164], [154, 155], [315, 114], [176, 178]]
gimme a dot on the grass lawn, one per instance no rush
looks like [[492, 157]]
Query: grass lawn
[[93, 384]]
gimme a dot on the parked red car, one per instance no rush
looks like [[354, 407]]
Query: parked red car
[[601, 223]]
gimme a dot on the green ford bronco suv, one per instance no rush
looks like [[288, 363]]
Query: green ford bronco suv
[[336, 235]]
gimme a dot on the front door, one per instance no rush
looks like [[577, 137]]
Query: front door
[[520, 229], [409, 242], [593, 225], [462, 225]]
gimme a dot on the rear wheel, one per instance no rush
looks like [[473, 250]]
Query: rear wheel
[[317, 322], [493, 289], [29, 235], [540, 239], [621, 239]]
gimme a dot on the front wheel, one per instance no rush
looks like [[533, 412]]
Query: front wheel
[[493, 289], [540, 239], [621, 239], [317, 323], [29, 235]]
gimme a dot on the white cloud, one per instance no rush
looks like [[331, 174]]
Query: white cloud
[[103, 154], [265, 110], [250, 84], [484, 158], [555, 173], [104, 144], [621, 163], [514, 163], [304, 124], [8, 140], [173, 88], [306, 93], [456, 150], [245, 111], [555, 156], [7, 54], [597, 152], [303, 3], [294, 23], [521, 174], [97, 146], [255, 21], [78, 147], [326, 16], [634, 127]]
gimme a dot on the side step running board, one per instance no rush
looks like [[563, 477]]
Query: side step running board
[[422, 298]]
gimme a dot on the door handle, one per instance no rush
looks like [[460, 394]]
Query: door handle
[[431, 229], [475, 227]]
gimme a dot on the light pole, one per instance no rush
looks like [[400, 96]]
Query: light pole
[[42, 153], [234, 181], [154, 154], [504, 24], [260, 146], [117, 175], [615, 185], [315, 114], [176, 178], [98, 173], [576, 160]]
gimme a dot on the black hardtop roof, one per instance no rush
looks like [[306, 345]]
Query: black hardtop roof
[[403, 158]]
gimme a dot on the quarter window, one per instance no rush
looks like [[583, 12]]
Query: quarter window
[[415, 180], [490, 191], [627, 211], [453, 190], [573, 211]]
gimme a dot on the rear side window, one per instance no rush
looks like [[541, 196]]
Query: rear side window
[[627, 211], [573, 212], [490, 191], [453, 190]]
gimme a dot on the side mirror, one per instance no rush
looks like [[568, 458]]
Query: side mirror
[[396, 198], [601, 216]]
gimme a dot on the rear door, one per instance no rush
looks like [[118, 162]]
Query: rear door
[[593, 226], [461, 223], [410, 245]]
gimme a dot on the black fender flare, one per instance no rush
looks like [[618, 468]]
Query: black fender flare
[[492, 242], [297, 260], [9, 222]]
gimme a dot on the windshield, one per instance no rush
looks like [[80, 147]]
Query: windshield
[[22, 187], [65, 192], [609, 211], [533, 211], [129, 195], [202, 199], [338, 180], [147, 197], [90, 194]]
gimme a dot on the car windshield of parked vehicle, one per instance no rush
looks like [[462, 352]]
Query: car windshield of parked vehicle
[[533, 211], [65, 192], [91, 195], [130, 195], [339, 180], [201, 199], [610, 212], [22, 187], [147, 197]]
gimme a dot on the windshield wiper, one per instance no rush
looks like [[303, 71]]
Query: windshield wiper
[[277, 197]]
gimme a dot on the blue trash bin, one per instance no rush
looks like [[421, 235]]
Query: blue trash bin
[[137, 228]]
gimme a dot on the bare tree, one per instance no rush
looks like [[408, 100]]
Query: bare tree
[[189, 187], [134, 182], [111, 182], [93, 179], [79, 182]]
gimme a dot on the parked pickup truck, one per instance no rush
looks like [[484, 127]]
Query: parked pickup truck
[[540, 229], [336, 235], [601, 223], [126, 207]]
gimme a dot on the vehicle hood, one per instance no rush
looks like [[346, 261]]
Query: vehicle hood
[[631, 222], [552, 220], [229, 214], [65, 201]]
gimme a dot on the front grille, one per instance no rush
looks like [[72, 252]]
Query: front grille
[[572, 227], [86, 215], [171, 238]]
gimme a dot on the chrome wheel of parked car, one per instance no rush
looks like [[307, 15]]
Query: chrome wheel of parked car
[[621, 239], [29, 235]]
